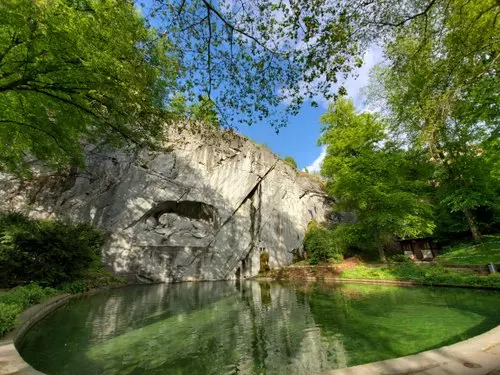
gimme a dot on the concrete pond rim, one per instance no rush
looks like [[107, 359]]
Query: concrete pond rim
[[477, 355]]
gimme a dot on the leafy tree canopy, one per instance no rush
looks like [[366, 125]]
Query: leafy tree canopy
[[251, 56], [202, 110], [96, 66], [78, 71], [439, 88], [373, 179]]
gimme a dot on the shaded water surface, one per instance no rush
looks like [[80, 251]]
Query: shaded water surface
[[252, 328]]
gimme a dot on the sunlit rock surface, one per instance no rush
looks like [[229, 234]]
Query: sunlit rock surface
[[202, 209]]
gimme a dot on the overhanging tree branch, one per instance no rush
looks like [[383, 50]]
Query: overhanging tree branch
[[81, 108], [50, 135], [194, 24], [405, 20], [209, 57], [219, 15], [181, 8]]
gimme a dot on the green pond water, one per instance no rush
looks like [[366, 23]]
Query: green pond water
[[252, 328]]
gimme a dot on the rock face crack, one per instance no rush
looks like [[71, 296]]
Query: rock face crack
[[250, 194], [310, 193]]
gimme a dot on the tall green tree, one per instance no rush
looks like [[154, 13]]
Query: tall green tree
[[78, 71], [440, 90], [373, 179]]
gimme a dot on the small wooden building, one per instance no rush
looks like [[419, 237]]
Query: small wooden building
[[419, 248]]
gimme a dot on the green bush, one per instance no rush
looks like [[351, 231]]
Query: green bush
[[320, 245], [26, 296], [94, 280], [264, 261], [46, 252], [16, 300], [74, 287], [20, 298], [290, 161], [8, 317]]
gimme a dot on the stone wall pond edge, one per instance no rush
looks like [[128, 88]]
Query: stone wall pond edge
[[477, 355], [11, 361]]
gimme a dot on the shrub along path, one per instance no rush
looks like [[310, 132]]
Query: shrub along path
[[43, 258], [12, 303], [17, 300]]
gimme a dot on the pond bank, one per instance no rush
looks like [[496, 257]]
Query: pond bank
[[395, 274], [476, 356], [467, 357], [11, 362]]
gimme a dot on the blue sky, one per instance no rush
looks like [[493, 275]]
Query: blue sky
[[300, 138]]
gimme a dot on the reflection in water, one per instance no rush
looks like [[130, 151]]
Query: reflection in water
[[251, 328]]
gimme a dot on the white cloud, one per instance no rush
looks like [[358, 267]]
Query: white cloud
[[315, 166], [372, 57]]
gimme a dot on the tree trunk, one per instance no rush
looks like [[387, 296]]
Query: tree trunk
[[472, 225], [381, 253]]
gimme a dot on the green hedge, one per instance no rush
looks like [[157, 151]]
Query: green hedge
[[46, 252], [95, 280], [320, 245], [26, 296], [41, 254], [8, 317], [18, 299]]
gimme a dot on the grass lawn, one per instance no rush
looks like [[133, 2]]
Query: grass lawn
[[436, 273], [429, 274], [471, 253]]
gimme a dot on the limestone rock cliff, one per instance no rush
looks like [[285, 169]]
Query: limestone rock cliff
[[205, 208]]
